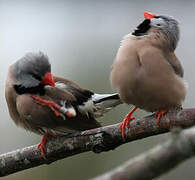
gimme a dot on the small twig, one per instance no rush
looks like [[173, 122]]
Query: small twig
[[98, 140]]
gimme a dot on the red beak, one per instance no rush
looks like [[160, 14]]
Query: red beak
[[48, 80], [148, 15]]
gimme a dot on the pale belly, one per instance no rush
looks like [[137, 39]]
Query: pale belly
[[154, 93]]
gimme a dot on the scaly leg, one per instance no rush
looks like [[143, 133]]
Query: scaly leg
[[127, 121], [160, 114], [42, 144]]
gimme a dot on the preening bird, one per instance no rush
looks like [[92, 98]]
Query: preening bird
[[50, 105], [146, 71]]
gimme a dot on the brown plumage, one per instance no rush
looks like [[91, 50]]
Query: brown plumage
[[146, 71], [30, 84]]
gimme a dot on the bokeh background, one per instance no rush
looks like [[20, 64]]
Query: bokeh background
[[81, 39]]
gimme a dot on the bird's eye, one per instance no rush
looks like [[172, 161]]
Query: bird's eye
[[158, 24], [37, 77]]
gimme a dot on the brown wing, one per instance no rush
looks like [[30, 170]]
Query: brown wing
[[175, 63], [67, 82], [81, 95]]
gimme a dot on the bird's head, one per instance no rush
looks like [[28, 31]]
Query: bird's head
[[165, 24], [32, 71]]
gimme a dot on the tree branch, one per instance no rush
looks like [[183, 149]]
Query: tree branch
[[97, 140], [158, 160]]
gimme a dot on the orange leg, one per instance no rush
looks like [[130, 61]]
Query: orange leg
[[41, 146], [160, 114], [127, 121], [53, 106]]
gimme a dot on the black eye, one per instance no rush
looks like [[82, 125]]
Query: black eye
[[37, 77], [158, 24]]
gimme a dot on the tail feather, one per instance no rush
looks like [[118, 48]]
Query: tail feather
[[97, 98], [104, 103]]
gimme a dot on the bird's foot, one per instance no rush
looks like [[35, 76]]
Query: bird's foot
[[53, 106], [160, 114], [42, 144], [126, 122]]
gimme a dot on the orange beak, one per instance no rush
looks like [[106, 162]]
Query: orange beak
[[48, 80], [148, 15]]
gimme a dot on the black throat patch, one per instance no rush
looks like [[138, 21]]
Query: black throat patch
[[31, 90], [142, 28]]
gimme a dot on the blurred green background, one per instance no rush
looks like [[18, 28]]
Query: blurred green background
[[81, 39]]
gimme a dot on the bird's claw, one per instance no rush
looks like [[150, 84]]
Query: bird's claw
[[65, 110], [124, 124], [159, 115]]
